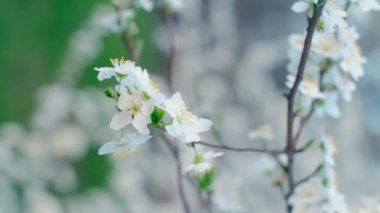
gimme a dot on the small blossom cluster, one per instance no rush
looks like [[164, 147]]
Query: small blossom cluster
[[320, 193], [140, 103], [148, 5], [335, 62]]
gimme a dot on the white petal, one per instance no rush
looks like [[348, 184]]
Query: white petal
[[174, 104], [108, 148], [203, 125], [190, 135], [120, 120], [300, 7], [105, 73], [140, 122], [136, 140]]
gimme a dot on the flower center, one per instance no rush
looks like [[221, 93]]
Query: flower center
[[154, 85], [187, 117], [135, 108]]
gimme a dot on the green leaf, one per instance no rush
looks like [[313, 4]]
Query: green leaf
[[157, 115], [320, 25], [206, 180], [110, 92], [319, 168], [309, 144]]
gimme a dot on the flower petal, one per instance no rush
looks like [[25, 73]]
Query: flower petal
[[136, 140], [190, 135], [107, 148], [105, 72], [120, 120], [203, 125], [174, 104], [300, 7], [140, 122]]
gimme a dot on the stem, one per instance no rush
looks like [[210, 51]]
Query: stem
[[290, 141], [125, 38], [238, 149], [168, 20], [174, 151]]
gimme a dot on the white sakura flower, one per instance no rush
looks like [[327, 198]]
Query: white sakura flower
[[185, 125], [300, 6], [202, 162], [308, 87], [367, 5], [344, 85], [135, 109], [329, 148], [120, 69], [262, 133], [353, 62], [325, 44], [140, 79], [329, 106], [127, 144], [333, 16]]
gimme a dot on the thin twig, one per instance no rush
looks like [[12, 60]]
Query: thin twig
[[174, 151], [305, 179], [125, 38], [168, 20], [239, 149]]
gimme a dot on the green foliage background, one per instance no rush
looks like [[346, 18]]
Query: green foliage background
[[33, 38]]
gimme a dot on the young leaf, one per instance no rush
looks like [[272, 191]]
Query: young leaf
[[157, 115], [206, 180], [110, 92]]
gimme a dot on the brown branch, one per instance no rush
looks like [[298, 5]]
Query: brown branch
[[125, 38], [175, 153], [290, 142], [305, 179], [168, 20], [239, 149]]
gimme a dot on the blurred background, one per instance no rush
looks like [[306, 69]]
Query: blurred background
[[230, 64]]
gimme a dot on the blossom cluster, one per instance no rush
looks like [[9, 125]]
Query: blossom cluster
[[140, 103], [320, 193], [335, 62]]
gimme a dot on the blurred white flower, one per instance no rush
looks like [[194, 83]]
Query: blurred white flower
[[185, 124], [202, 162], [329, 105], [367, 5], [333, 17], [128, 144], [308, 87], [120, 69], [262, 133]]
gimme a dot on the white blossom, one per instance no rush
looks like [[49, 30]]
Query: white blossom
[[135, 109], [127, 144], [367, 5], [262, 133], [120, 69], [202, 162], [185, 124]]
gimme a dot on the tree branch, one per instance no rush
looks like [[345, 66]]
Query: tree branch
[[290, 142], [239, 149], [174, 151]]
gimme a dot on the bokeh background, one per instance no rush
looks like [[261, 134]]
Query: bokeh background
[[230, 65]]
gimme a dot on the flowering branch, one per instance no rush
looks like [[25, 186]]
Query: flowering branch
[[290, 142], [125, 37]]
